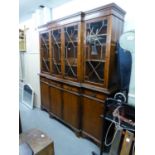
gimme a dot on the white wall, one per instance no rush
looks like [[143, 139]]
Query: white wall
[[31, 57], [31, 60]]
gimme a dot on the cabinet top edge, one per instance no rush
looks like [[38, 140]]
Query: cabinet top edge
[[75, 15], [107, 7], [80, 16]]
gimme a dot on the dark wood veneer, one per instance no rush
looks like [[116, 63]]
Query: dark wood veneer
[[82, 64]]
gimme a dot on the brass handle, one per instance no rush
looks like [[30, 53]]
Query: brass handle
[[101, 116]]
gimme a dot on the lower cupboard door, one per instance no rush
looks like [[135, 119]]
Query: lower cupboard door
[[91, 119], [71, 109], [56, 102], [44, 95]]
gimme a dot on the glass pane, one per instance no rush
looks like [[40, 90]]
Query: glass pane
[[96, 37], [56, 51], [94, 71], [45, 51], [71, 34]]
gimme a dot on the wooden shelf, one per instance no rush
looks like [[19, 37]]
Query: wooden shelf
[[57, 64], [98, 35], [71, 65], [74, 41], [58, 42], [95, 60]]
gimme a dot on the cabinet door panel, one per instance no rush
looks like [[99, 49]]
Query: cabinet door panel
[[56, 102], [95, 50], [44, 50], [44, 95], [71, 48], [91, 120], [56, 51], [71, 109]]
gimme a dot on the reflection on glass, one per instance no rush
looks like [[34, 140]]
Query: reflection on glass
[[45, 51], [96, 36], [71, 34], [56, 51]]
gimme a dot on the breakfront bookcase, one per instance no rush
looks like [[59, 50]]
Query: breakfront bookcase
[[78, 66]]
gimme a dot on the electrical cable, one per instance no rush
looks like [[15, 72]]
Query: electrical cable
[[117, 125]]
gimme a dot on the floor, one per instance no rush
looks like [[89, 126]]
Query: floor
[[65, 141]]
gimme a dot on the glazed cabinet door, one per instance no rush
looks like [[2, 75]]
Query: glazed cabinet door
[[95, 51], [55, 35], [44, 52], [71, 50], [91, 119], [44, 88]]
